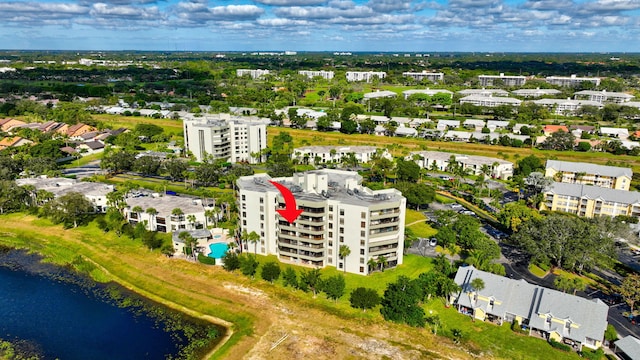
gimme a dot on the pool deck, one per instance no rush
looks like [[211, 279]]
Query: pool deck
[[219, 236]]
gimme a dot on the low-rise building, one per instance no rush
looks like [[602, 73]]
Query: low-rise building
[[159, 213], [507, 80], [534, 93], [93, 191], [366, 76], [434, 77], [544, 312], [380, 94], [489, 101], [474, 124], [447, 124], [603, 96], [565, 107], [327, 75], [427, 91], [590, 201], [253, 73], [13, 141], [619, 133], [336, 210], [335, 154], [440, 161], [611, 177], [571, 81], [628, 348], [484, 92]]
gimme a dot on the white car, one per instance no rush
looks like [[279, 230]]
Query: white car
[[433, 242]]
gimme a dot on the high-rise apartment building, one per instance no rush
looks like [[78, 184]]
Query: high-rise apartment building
[[337, 211]]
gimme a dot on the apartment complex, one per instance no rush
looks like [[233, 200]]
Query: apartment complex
[[489, 101], [571, 81], [507, 80], [157, 212], [253, 73], [96, 193], [544, 312], [590, 201], [440, 161], [611, 177], [327, 75], [603, 96], [335, 154], [226, 137], [434, 77], [427, 91], [366, 76], [565, 106], [337, 210]]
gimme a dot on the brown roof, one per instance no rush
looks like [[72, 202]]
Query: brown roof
[[554, 128]]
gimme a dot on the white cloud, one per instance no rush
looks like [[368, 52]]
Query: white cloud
[[291, 2]]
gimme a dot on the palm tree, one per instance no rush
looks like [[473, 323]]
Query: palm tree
[[344, 252], [208, 215], [138, 210], [192, 220], [382, 262], [244, 239], [253, 237], [179, 214], [189, 241], [372, 264], [152, 216]]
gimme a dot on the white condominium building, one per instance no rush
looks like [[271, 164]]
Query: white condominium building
[[565, 106], [254, 73], [489, 101], [440, 161], [507, 80], [336, 154], [571, 81], [327, 75], [159, 213], [93, 191], [603, 96], [366, 76], [337, 210], [225, 137], [434, 77]]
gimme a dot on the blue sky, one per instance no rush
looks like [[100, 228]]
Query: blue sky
[[319, 25]]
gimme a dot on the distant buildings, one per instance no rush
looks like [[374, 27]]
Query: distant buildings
[[429, 92], [506, 80], [366, 76], [571, 81], [603, 96], [434, 77], [335, 154], [253, 73], [489, 101], [227, 137], [590, 201], [327, 75], [337, 210]]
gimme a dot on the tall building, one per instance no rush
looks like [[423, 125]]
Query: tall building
[[254, 73], [366, 76], [507, 80], [225, 137], [327, 75], [434, 77], [337, 210]]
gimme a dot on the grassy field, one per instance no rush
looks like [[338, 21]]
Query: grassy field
[[260, 313], [130, 122]]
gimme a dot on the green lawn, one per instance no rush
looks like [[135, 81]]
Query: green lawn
[[416, 221]]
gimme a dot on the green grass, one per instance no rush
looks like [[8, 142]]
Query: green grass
[[491, 340], [444, 200], [416, 221], [537, 271]]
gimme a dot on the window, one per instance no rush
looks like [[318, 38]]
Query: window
[[363, 224], [361, 260], [362, 233], [330, 252], [244, 214], [341, 221], [330, 260], [330, 233], [262, 234], [341, 211], [341, 230], [244, 222], [262, 217], [244, 197], [361, 269], [330, 243], [330, 216], [261, 208], [330, 225], [361, 251], [363, 215], [361, 242], [341, 238], [330, 207], [261, 200], [340, 265]]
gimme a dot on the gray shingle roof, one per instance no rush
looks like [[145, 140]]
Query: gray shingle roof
[[630, 346], [591, 169]]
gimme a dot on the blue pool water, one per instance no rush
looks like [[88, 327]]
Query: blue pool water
[[217, 236], [218, 250]]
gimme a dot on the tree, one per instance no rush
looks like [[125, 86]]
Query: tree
[[189, 242], [334, 286], [559, 140], [477, 284], [515, 214], [70, 209], [175, 168], [230, 261], [253, 238], [147, 165], [529, 164], [344, 252], [270, 271], [583, 146], [400, 302], [117, 161], [248, 265], [148, 130], [12, 197], [290, 278], [407, 170], [311, 279], [364, 298], [207, 174], [372, 264], [630, 290], [382, 262]]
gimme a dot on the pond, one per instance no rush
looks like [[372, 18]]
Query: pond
[[53, 313]]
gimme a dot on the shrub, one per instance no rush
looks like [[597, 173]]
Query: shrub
[[206, 260], [591, 354], [560, 346]]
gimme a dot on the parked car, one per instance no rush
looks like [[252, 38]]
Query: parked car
[[433, 242]]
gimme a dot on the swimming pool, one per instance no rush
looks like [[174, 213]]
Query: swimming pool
[[218, 250], [217, 236]]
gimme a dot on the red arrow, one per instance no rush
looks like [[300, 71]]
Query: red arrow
[[290, 211]]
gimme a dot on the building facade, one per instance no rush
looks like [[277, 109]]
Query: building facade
[[224, 137], [571, 81], [611, 177], [336, 154], [507, 80], [490, 101], [366, 76], [440, 161], [327, 75], [157, 212], [253, 73], [337, 210], [590, 201], [95, 192], [434, 77], [603, 96]]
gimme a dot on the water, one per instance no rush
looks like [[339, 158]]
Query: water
[[218, 250], [62, 319]]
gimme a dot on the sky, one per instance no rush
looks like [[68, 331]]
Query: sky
[[320, 25]]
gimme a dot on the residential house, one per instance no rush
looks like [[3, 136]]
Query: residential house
[[474, 124], [535, 93], [447, 124], [590, 201], [161, 217], [507, 80], [489, 101], [13, 141], [628, 348], [571, 81], [336, 210], [544, 312], [603, 96], [403, 131], [550, 129], [78, 130], [93, 191], [90, 147], [440, 161], [611, 177], [518, 126], [619, 133], [455, 135], [494, 125], [8, 124]]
